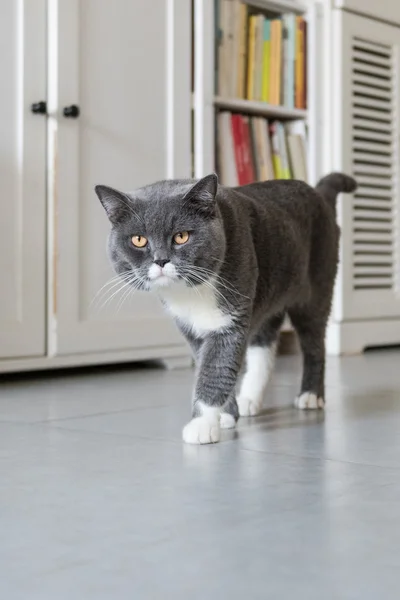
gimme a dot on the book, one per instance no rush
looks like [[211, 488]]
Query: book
[[238, 144], [296, 134], [289, 20], [251, 50], [256, 149], [242, 51], [278, 71], [223, 72], [233, 46], [272, 62], [300, 61], [276, 158], [305, 63], [297, 159], [283, 152], [248, 159], [262, 154], [276, 61], [258, 57], [266, 65], [225, 150]]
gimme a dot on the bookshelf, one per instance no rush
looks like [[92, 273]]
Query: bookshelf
[[262, 109], [208, 103]]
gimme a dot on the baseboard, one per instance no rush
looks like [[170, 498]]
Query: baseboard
[[171, 357], [354, 337]]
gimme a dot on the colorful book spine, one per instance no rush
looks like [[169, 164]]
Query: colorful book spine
[[266, 67], [276, 158], [238, 146], [278, 71], [272, 64], [242, 51], [299, 102], [289, 95], [247, 150], [251, 57], [258, 57]]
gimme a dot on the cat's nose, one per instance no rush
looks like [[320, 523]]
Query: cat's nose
[[161, 262]]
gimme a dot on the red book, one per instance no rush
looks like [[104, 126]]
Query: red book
[[237, 132], [247, 151], [305, 64]]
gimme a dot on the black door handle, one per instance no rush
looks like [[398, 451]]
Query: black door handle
[[39, 108], [71, 111]]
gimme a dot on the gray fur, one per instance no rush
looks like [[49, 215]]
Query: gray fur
[[273, 247]]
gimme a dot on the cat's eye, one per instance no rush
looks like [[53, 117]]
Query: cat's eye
[[139, 241], [181, 237]]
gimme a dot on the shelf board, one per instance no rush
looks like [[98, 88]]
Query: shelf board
[[259, 108], [277, 6]]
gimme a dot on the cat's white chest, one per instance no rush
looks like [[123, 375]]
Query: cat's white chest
[[196, 308]]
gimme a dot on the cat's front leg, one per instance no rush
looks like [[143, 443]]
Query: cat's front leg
[[218, 368]]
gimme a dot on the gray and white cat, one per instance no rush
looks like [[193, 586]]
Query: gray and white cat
[[228, 264]]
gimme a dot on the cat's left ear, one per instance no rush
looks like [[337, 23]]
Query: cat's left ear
[[115, 203], [203, 194]]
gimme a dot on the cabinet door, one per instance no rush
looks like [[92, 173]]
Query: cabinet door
[[389, 10], [22, 179], [366, 129], [127, 66]]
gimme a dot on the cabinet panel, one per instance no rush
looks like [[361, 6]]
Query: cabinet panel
[[115, 61], [22, 178], [366, 144], [388, 10]]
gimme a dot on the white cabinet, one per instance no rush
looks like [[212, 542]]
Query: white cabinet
[[386, 10], [365, 136], [126, 66], [22, 179], [117, 64]]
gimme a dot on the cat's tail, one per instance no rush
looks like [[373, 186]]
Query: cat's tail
[[331, 185]]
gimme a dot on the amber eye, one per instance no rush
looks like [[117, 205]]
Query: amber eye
[[181, 237], [139, 241]]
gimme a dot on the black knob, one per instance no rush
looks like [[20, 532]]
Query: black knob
[[71, 111], [39, 108]]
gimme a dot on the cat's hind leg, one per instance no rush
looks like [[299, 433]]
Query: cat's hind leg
[[260, 358], [311, 332]]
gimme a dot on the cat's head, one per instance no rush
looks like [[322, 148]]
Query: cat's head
[[165, 233]]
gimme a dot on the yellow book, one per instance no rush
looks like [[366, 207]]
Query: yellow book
[[241, 59], [266, 61], [278, 66], [299, 61], [251, 57], [272, 63]]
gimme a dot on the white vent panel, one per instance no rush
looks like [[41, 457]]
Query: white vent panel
[[373, 164]]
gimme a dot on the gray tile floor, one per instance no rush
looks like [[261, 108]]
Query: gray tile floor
[[99, 499]]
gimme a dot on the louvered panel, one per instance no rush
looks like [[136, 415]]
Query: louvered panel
[[371, 82], [373, 249], [372, 152], [364, 145], [378, 172], [366, 259], [365, 127], [378, 206], [366, 214], [373, 116]]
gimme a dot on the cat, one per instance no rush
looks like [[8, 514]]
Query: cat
[[228, 265]]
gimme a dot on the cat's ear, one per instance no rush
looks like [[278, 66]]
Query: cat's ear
[[115, 203], [203, 193]]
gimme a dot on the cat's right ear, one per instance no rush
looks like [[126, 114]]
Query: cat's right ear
[[115, 203]]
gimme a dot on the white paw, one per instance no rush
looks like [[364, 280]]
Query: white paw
[[309, 401], [201, 430], [227, 421], [249, 407]]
